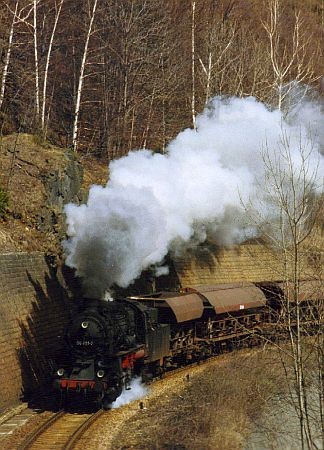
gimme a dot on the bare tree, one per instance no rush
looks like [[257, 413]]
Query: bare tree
[[193, 58], [8, 54], [137, 76], [145, 68], [218, 38], [19, 14], [292, 189], [32, 8], [289, 60], [58, 9], [37, 92], [92, 14]]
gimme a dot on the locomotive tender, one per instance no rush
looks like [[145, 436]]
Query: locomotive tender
[[109, 342]]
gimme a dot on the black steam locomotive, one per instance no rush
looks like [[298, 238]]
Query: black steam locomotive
[[109, 342]]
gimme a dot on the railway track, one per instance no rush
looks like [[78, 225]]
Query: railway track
[[62, 431]]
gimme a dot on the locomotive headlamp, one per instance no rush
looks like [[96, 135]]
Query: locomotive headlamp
[[100, 373], [60, 372], [84, 324]]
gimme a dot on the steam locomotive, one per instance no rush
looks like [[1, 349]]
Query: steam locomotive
[[109, 342]]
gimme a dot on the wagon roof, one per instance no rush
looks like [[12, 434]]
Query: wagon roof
[[185, 306], [232, 296], [223, 298]]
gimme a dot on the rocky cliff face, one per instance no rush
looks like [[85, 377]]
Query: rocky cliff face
[[40, 179], [62, 185]]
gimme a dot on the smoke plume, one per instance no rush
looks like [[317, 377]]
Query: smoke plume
[[154, 203], [137, 390]]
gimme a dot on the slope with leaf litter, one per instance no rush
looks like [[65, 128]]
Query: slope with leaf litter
[[38, 179]]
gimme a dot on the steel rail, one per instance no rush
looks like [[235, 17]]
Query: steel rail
[[28, 442], [63, 437], [78, 433]]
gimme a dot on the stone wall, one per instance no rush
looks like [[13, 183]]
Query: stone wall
[[246, 262], [34, 309]]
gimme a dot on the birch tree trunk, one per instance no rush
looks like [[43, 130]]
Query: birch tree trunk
[[289, 65], [214, 53], [81, 79], [8, 54], [193, 94], [37, 103], [49, 51]]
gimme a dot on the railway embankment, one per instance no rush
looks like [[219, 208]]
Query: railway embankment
[[213, 406], [215, 409], [241, 400]]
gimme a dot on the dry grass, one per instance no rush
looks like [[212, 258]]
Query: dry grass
[[6, 242], [216, 410]]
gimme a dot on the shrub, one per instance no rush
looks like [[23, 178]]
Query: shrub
[[4, 201]]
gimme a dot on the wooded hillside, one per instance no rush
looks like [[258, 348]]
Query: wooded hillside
[[106, 76]]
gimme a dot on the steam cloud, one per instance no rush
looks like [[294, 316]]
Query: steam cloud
[[137, 391], [155, 203]]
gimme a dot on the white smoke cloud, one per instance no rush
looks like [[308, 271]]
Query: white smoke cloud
[[153, 202], [137, 390]]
